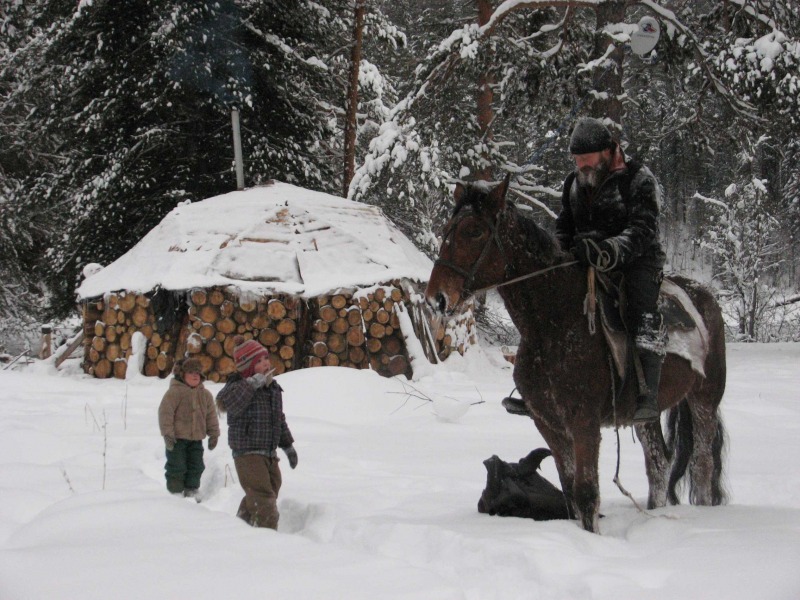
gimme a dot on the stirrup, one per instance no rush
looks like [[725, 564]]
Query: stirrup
[[646, 414], [515, 406]]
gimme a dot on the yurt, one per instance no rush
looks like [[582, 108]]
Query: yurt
[[317, 279]]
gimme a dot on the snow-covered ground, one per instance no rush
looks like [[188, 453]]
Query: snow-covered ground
[[383, 502]]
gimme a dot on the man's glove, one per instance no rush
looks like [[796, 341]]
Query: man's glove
[[291, 454], [212, 442], [169, 442], [256, 381], [603, 256]]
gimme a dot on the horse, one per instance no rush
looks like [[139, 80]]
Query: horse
[[563, 370]]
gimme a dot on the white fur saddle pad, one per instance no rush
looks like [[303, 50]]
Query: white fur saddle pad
[[690, 343]]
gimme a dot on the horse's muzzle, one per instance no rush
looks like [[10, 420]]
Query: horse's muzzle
[[439, 304]]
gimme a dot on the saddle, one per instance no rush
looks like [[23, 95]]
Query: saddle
[[686, 332]]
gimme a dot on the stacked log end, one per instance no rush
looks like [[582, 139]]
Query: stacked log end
[[456, 334], [358, 330], [216, 317], [109, 325]]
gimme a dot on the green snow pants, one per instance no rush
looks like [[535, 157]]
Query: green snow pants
[[184, 466]]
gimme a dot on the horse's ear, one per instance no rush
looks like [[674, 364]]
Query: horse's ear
[[500, 191], [459, 192]]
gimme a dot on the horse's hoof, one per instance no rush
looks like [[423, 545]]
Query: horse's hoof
[[515, 406]]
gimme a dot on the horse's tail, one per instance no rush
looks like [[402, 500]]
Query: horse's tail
[[680, 445], [719, 495]]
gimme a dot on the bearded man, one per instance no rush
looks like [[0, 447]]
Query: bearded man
[[609, 221]]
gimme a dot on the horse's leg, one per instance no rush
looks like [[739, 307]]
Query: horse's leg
[[704, 430], [587, 489], [702, 468], [656, 462], [564, 458]]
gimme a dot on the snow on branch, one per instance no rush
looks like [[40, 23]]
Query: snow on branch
[[715, 202], [533, 201], [737, 105], [287, 50], [509, 6], [750, 10], [791, 300]]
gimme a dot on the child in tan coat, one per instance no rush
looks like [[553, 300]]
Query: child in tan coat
[[186, 415]]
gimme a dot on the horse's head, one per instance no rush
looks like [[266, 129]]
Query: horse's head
[[471, 256]]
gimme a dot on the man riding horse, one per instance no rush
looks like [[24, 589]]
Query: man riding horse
[[609, 221]]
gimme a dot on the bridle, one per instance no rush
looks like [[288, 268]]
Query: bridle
[[469, 275]]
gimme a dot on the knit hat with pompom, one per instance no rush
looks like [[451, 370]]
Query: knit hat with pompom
[[246, 353]]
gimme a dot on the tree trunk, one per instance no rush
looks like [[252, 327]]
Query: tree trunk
[[351, 117], [608, 79], [751, 319], [485, 96]]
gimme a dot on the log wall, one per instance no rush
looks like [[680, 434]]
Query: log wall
[[358, 330], [216, 317], [109, 324]]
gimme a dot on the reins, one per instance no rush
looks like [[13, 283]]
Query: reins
[[469, 276], [527, 276]]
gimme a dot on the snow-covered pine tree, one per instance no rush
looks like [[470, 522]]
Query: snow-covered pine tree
[[542, 61], [135, 100], [758, 57], [22, 227], [744, 242], [434, 135], [542, 71]]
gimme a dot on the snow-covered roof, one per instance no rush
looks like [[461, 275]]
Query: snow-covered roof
[[277, 238]]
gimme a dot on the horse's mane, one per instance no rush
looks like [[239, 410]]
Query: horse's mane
[[536, 239]]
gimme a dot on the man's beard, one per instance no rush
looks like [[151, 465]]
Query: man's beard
[[589, 177]]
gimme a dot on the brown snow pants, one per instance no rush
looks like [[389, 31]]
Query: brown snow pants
[[260, 478]]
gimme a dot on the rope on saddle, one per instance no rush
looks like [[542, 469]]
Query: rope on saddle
[[614, 399], [590, 301]]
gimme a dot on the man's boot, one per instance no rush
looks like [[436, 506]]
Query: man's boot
[[647, 403]]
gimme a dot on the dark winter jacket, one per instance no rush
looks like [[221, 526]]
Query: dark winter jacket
[[256, 422], [625, 207], [187, 413]]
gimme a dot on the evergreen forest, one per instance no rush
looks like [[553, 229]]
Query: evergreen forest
[[114, 112]]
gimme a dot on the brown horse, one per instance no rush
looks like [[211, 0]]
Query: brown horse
[[563, 371]]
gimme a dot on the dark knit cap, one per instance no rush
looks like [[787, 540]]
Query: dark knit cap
[[246, 353], [590, 135]]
